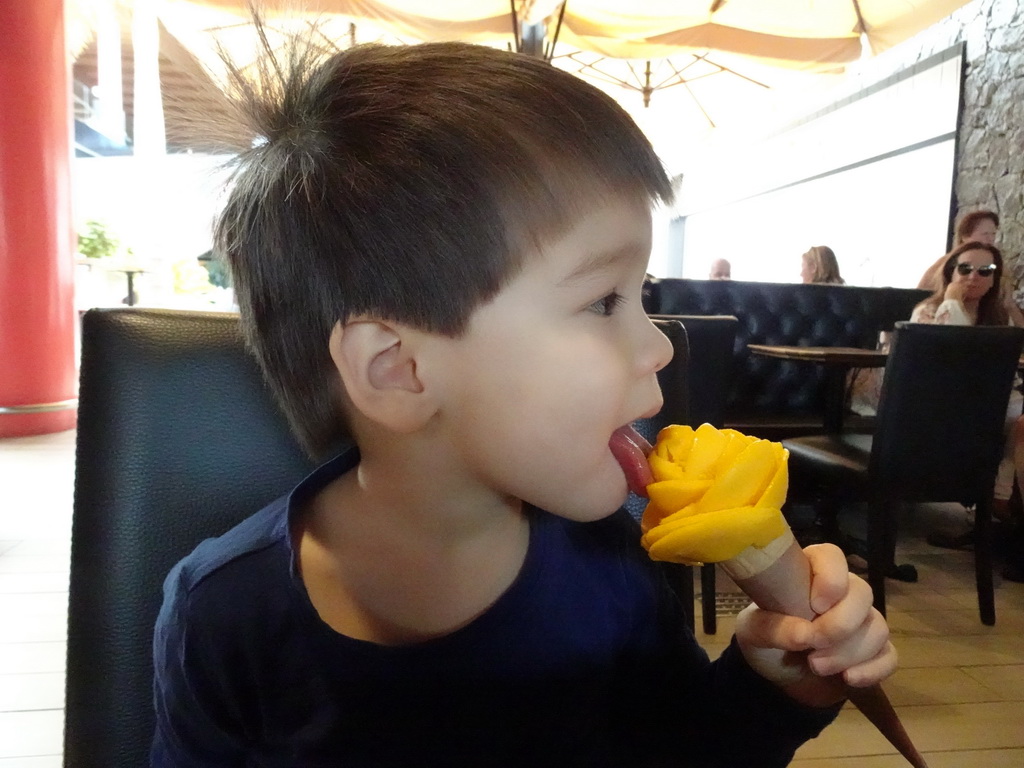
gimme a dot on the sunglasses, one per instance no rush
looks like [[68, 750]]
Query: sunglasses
[[966, 269]]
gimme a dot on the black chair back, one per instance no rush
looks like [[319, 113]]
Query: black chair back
[[674, 381], [711, 341], [940, 429], [178, 440], [696, 386]]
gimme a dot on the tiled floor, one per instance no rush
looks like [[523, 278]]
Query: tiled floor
[[960, 687], [36, 477], [959, 691]]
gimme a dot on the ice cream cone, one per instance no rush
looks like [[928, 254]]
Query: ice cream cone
[[763, 558], [778, 578]]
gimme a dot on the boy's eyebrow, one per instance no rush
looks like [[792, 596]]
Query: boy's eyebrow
[[600, 262]]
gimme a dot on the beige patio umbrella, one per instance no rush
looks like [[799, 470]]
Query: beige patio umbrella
[[805, 34], [792, 33], [716, 60], [709, 61]]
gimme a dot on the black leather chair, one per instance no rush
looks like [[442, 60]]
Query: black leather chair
[[939, 436], [178, 440], [710, 368], [673, 379], [711, 363]]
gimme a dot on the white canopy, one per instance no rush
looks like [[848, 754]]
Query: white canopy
[[805, 34], [711, 62]]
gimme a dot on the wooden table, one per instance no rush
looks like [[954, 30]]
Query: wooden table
[[132, 298], [837, 361]]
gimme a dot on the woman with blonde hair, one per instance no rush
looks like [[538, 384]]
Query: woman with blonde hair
[[820, 266]]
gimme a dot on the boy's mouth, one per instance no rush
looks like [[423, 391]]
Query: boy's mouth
[[630, 449]]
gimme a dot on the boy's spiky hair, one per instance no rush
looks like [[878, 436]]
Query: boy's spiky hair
[[404, 183]]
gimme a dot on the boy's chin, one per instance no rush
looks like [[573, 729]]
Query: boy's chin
[[594, 508]]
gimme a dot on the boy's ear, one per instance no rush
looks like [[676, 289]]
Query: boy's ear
[[377, 364]]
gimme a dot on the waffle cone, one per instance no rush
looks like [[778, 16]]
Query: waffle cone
[[777, 577]]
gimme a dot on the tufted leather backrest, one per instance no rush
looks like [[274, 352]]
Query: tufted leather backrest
[[941, 418], [784, 314], [674, 382], [178, 440]]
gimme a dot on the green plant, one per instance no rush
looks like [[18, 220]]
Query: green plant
[[96, 242]]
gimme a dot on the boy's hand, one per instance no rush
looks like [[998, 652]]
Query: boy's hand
[[813, 661]]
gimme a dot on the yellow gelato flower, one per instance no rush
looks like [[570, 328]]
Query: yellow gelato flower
[[715, 493]]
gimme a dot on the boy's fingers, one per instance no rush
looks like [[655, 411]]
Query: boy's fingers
[[874, 670], [844, 618], [865, 643], [828, 575], [767, 629]]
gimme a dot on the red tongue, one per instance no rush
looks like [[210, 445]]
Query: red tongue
[[630, 449]]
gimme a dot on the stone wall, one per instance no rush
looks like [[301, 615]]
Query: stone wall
[[990, 166]]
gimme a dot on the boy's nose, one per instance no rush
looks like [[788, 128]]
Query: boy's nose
[[658, 349]]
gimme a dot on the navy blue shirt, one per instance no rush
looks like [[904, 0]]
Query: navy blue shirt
[[585, 660]]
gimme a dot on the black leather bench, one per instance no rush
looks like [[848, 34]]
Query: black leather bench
[[776, 399]]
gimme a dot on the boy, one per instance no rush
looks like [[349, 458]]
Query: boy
[[438, 252]]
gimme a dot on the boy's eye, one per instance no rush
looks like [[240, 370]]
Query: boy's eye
[[606, 305]]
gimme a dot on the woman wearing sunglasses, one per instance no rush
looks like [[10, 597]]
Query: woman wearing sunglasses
[[974, 227], [970, 295], [977, 227]]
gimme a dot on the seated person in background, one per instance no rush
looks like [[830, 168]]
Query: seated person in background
[[971, 279], [721, 269], [974, 227], [969, 296], [819, 265], [969, 289], [438, 255], [979, 227]]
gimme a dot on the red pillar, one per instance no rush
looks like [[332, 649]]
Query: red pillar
[[37, 312]]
